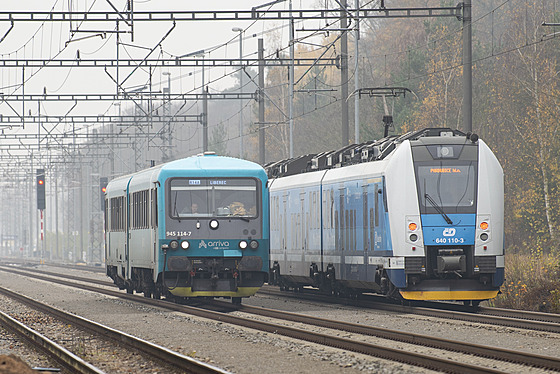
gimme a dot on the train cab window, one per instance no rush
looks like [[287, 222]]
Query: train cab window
[[210, 197], [448, 185]]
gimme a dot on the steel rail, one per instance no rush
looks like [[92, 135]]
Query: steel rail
[[520, 314], [507, 355], [158, 352], [549, 319], [58, 353], [537, 317], [7, 261], [432, 312], [407, 357]]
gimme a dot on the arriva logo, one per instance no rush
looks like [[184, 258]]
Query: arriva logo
[[449, 232], [214, 244]]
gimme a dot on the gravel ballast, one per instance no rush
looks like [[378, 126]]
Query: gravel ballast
[[243, 350]]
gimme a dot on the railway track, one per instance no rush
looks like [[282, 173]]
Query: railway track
[[494, 316], [502, 317], [56, 352], [174, 361], [330, 338]]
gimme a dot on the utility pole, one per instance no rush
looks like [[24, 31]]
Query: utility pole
[[291, 79], [240, 31], [261, 102], [57, 248], [357, 74], [344, 73], [167, 116], [204, 111], [204, 119], [467, 66]]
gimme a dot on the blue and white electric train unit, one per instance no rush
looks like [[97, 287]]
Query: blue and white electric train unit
[[195, 227], [420, 215]]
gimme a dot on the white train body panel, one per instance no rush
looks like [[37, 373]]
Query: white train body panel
[[426, 219], [402, 199]]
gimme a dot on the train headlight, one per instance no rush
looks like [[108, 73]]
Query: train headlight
[[413, 237], [243, 244], [185, 244], [412, 226], [214, 224], [174, 244], [484, 236], [484, 225], [254, 244], [444, 152]]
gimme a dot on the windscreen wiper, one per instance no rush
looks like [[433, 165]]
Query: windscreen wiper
[[175, 212], [438, 209]]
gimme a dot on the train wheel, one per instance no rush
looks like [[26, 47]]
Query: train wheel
[[148, 293], [471, 304], [156, 295], [236, 300], [129, 290]]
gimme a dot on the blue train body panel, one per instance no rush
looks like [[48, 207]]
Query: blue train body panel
[[437, 232]]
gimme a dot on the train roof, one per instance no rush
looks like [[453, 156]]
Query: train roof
[[211, 165], [203, 165], [353, 154]]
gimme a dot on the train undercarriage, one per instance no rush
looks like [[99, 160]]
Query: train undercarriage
[[442, 285], [210, 279]]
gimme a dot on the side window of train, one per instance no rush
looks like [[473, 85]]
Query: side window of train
[[131, 210], [122, 213], [154, 208], [385, 197], [117, 213]]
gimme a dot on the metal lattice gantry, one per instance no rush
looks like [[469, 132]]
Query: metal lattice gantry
[[80, 155], [178, 62], [254, 14]]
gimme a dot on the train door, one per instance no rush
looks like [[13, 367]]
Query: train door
[[106, 235], [127, 212], [302, 224], [154, 226], [365, 231], [284, 228], [375, 230], [341, 245]]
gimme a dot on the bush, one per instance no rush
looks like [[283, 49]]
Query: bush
[[532, 282]]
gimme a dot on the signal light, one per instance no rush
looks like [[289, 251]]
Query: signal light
[[41, 200], [412, 226], [103, 184], [484, 225]]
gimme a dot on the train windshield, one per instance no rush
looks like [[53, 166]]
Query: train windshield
[[212, 197], [448, 186]]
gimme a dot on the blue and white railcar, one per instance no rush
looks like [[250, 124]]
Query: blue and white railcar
[[419, 215], [196, 227]]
